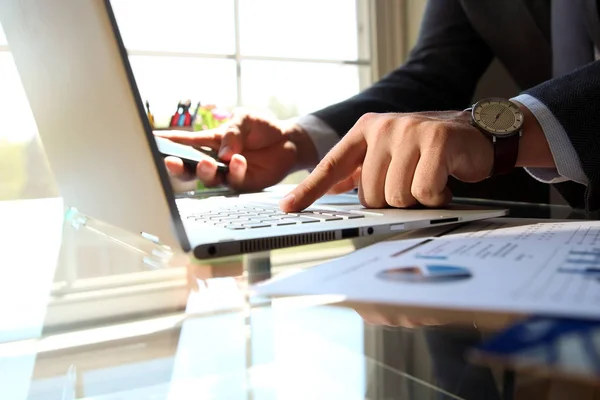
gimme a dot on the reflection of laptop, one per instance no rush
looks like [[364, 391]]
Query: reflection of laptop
[[98, 141]]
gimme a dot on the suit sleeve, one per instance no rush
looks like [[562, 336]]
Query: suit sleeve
[[441, 73], [573, 99]]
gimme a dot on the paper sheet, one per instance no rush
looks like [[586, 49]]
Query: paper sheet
[[547, 268]]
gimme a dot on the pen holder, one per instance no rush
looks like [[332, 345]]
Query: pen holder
[[204, 117]]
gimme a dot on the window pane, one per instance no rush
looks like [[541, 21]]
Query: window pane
[[203, 26], [16, 129], [16, 118], [2, 37], [164, 81], [24, 171], [324, 29], [295, 88]]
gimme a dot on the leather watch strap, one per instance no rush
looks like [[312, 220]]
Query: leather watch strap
[[506, 151]]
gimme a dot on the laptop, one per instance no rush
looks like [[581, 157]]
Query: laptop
[[103, 153]]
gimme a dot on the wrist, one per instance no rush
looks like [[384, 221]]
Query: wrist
[[306, 152], [534, 150]]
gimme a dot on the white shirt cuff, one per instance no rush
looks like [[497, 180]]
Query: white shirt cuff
[[568, 165], [321, 134]]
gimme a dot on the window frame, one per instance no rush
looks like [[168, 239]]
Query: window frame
[[383, 43], [365, 45]]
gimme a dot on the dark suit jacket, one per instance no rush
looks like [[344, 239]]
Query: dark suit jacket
[[458, 40]]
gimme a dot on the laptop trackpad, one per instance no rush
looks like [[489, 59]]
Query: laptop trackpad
[[338, 200], [345, 199]]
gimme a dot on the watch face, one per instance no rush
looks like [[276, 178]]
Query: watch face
[[498, 116]]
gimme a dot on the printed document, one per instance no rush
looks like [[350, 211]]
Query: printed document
[[545, 268]]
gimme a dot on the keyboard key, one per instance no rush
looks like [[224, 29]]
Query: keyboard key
[[321, 217], [273, 211], [286, 221], [214, 212], [301, 220], [249, 214], [230, 218], [238, 213], [344, 214], [267, 207], [317, 211], [256, 225], [234, 227]]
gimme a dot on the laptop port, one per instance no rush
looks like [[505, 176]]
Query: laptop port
[[349, 233], [443, 220]]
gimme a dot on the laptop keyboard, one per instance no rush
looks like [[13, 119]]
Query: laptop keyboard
[[260, 216]]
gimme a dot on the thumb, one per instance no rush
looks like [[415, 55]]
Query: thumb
[[234, 135], [238, 167]]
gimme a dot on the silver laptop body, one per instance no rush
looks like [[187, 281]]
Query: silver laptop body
[[97, 138]]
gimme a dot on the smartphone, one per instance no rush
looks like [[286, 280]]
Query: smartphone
[[189, 155]]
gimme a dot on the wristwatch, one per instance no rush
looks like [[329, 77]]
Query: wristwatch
[[500, 120]]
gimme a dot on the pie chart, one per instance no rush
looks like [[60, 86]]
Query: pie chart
[[430, 273]]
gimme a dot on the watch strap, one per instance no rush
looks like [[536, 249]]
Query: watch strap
[[506, 150]]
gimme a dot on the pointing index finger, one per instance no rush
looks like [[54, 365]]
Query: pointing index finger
[[338, 164], [209, 138]]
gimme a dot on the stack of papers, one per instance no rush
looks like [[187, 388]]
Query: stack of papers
[[543, 269]]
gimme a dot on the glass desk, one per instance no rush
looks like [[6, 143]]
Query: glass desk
[[93, 312]]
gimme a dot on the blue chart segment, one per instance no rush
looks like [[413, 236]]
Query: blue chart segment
[[425, 273]]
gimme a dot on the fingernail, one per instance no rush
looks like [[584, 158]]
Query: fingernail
[[288, 200], [204, 168], [234, 164], [224, 151]]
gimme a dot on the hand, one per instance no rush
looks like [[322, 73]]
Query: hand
[[404, 159], [389, 316], [260, 152]]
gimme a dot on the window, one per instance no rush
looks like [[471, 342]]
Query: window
[[287, 57], [19, 153], [277, 55], [15, 116]]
